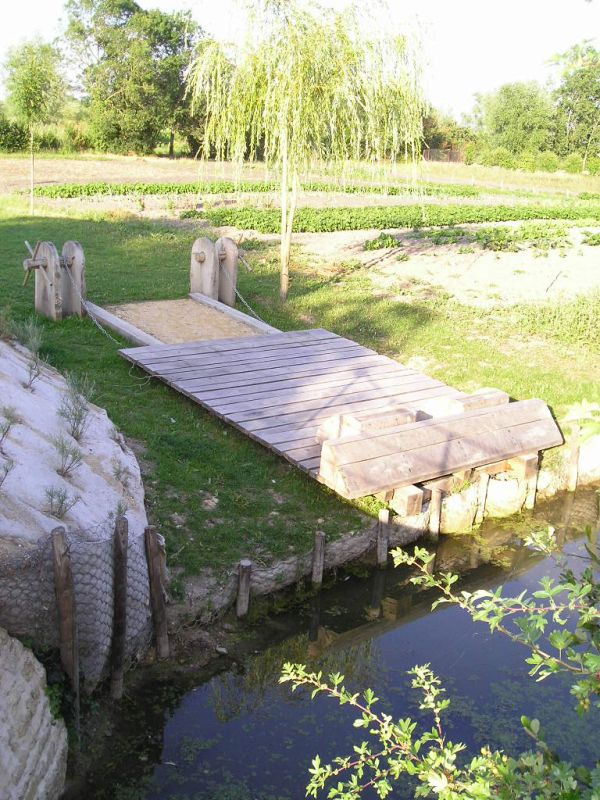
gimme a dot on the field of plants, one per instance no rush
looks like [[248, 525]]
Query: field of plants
[[381, 290]]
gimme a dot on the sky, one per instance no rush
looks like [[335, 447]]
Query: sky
[[469, 46]]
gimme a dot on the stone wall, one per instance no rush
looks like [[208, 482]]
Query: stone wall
[[33, 745]]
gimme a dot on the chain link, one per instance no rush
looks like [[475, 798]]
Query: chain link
[[235, 289]]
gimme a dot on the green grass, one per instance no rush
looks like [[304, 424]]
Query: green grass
[[314, 220], [266, 508]]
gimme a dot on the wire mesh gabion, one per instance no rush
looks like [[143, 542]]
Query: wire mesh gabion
[[28, 600]]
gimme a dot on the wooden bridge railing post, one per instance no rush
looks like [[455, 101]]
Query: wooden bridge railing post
[[155, 558], [117, 655]]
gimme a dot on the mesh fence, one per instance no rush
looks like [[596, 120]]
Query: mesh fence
[[28, 600]]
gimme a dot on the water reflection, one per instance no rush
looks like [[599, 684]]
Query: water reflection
[[239, 735]]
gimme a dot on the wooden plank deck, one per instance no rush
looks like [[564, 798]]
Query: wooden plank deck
[[279, 388]]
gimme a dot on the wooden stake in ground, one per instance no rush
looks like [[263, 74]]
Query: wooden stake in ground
[[383, 537], [243, 596], [155, 557], [67, 612], [318, 560], [119, 634]]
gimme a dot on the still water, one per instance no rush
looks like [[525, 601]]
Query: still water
[[239, 735]]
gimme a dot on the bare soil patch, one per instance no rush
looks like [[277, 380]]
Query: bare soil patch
[[174, 321], [481, 278]]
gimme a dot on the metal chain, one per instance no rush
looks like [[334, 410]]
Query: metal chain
[[88, 312], [235, 289]]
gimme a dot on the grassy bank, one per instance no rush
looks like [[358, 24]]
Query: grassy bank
[[216, 495]]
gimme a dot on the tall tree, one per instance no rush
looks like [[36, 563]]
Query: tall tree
[[517, 116], [307, 86], [134, 64], [35, 90], [578, 100]]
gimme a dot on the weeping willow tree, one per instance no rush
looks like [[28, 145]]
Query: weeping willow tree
[[307, 86]]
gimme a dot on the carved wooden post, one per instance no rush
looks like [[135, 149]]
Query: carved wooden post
[[204, 268], [227, 255], [48, 279], [73, 279], [119, 634]]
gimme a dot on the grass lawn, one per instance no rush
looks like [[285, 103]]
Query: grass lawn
[[265, 508]]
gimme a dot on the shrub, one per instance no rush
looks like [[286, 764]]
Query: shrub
[[470, 153], [501, 157], [59, 502], [593, 165], [6, 468], [76, 138], [527, 160], [74, 406], [547, 161], [13, 136], [48, 140], [573, 163], [70, 456]]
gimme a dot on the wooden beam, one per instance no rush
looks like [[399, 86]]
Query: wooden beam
[[120, 326], [407, 501], [318, 559], [234, 314]]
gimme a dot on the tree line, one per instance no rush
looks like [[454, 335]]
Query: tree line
[[527, 126], [127, 69]]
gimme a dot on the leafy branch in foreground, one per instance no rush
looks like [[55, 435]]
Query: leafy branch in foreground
[[525, 619], [427, 760]]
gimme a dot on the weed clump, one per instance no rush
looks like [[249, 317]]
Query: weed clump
[[74, 408], [59, 501]]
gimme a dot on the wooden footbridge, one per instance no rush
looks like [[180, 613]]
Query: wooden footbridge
[[355, 420]]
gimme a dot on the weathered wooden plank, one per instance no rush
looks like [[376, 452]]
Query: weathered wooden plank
[[303, 387], [389, 416], [123, 328], [407, 501], [226, 363], [247, 355], [317, 415], [356, 368], [417, 435], [228, 344], [383, 473], [233, 313], [307, 430], [273, 407]]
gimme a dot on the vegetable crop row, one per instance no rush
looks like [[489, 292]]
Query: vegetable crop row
[[70, 190], [315, 220]]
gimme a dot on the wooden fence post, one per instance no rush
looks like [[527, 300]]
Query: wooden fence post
[[573, 458], [482, 490], [383, 537], [243, 596], [318, 560], [117, 655], [154, 557], [435, 512], [67, 612]]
